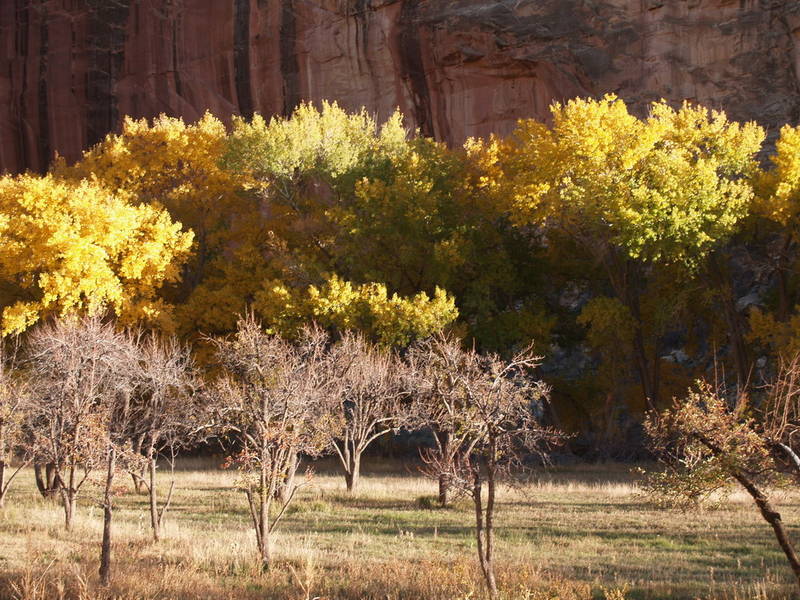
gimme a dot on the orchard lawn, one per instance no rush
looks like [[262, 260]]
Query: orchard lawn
[[574, 532]]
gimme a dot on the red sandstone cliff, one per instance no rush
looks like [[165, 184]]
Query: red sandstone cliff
[[69, 69]]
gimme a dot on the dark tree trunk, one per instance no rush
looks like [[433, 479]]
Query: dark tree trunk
[[785, 303], [443, 442], [769, 514], [648, 374], [733, 321], [772, 517], [626, 280], [648, 383], [105, 548]]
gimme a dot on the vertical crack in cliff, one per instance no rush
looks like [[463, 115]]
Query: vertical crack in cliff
[[362, 17], [22, 29], [41, 93], [106, 45], [241, 57], [359, 13], [413, 67], [290, 70], [176, 30]]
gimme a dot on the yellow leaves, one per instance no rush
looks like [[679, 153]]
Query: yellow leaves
[[75, 247], [167, 163], [778, 189], [665, 188], [338, 304], [327, 140]]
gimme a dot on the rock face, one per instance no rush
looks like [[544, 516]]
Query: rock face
[[70, 69]]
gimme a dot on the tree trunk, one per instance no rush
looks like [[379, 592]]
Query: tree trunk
[[625, 277], [40, 482], [772, 517], [443, 443], [647, 377], [263, 516], [444, 489], [769, 514], [155, 521], [353, 472], [287, 486], [68, 498], [2, 463], [741, 356], [782, 268], [139, 482], [46, 481], [105, 549], [481, 538], [264, 543], [266, 553]]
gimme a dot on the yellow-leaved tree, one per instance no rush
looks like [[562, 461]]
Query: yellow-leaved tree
[[179, 166], [777, 204], [67, 247], [634, 194]]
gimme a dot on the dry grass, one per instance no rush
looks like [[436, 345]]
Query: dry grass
[[579, 532]]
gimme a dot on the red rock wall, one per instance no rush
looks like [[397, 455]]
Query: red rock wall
[[69, 69]]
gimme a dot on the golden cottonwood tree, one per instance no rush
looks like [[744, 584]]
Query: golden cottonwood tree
[[67, 247], [634, 193], [777, 204], [178, 166]]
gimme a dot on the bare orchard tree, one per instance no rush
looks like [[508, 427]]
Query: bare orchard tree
[[76, 366], [434, 364], [365, 403], [271, 394], [487, 405], [14, 402], [167, 414], [708, 442]]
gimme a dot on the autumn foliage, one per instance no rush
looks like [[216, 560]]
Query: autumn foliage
[[605, 236]]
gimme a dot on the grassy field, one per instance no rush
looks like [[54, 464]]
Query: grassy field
[[578, 532]]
